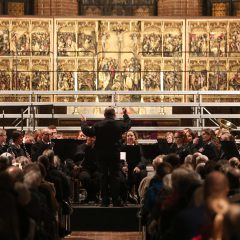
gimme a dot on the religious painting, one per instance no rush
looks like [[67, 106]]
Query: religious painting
[[66, 38], [103, 37], [198, 43], [152, 39], [172, 39], [217, 39], [152, 75], [172, 75], [109, 75], [115, 75], [21, 75], [197, 79], [41, 38], [131, 70], [134, 37], [86, 38], [119, 31], [234, 75], [66, 75], [86, 75], [4, 38], [5, 75], [234, 39], [41, 80], [217, 78], [20, 38]]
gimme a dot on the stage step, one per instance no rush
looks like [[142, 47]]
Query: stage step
[[95, 218]]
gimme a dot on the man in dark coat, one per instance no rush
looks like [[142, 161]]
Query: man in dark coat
[[108, 134]]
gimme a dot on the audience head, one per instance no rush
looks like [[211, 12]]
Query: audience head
[[216, 185], [3, 136], [32, 176], [201, 159], [185, 181], [15, 173], [22, 162], [5, 161], [173, 159], [109, 112], [157, 160], [50, 154], [43, 159], [163, 169], [234, 162], [188, 159]]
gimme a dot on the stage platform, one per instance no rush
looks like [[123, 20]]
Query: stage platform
[[95, 218]]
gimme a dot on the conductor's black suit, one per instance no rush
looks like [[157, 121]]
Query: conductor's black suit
[[108, 133]]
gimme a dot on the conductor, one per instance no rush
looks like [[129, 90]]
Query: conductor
[[108, 134]]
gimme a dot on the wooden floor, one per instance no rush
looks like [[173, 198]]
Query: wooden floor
[[104, 236]]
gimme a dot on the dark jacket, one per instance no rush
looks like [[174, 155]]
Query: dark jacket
[[108, 133], [38, 148], [134, 156], [86, 157]]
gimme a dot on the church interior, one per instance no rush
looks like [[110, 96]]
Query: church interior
[[173, 64]]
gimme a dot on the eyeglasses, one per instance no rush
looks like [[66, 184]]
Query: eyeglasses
[[177, 137]]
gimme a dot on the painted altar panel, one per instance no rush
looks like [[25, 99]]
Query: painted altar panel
[[21, 75], [20, 37], [234, 75], [173, 75], [4, 38], [234, 39], [41, 38], [197, 75], [198, 39], [218, 39], [172, 39], [152, 39], [65, 75], [5, 75], [66, 35], [41, 75], [87, 38], [217, 76]]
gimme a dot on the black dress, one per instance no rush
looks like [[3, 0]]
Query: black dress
[[134, 159]]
